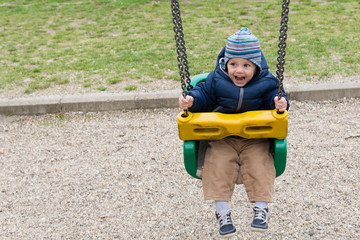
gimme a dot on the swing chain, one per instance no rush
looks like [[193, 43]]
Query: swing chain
[[282, 46], [181, 49]]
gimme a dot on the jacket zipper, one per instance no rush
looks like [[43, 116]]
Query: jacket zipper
[[241, 95]]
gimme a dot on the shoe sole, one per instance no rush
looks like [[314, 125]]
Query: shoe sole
[[228, 235], [258, 229]]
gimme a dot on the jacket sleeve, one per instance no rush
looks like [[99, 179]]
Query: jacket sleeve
[[270, 95], [204, 96]]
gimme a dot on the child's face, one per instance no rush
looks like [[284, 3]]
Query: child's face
[[241, 71]]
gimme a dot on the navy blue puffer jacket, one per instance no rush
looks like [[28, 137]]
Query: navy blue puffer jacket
[[219, 94]]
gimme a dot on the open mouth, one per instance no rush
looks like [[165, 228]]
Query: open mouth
[[237, 78]]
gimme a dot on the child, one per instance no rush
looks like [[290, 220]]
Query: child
[[241, 82]]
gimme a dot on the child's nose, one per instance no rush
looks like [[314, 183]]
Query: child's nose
[[239, 69]]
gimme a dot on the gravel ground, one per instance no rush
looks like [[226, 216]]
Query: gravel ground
[[119, 175]]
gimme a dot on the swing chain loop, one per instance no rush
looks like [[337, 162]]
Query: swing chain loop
[[282, 46], [181, 49]]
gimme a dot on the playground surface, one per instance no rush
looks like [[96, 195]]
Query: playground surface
[[119, 175]]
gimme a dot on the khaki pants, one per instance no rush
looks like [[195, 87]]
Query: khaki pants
[[235, 160]]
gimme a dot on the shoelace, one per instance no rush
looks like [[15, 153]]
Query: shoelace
[[224, 219], [261, 213]]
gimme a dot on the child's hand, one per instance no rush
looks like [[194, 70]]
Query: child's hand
[[186, 103], [280, 104]]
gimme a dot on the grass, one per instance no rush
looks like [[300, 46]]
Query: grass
[[100, 43]]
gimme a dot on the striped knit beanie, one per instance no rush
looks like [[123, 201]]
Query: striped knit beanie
[[245, 45]]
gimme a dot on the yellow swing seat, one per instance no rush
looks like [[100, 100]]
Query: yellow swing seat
[[215, 126]]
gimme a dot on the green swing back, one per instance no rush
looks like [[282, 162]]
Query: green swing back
[[191, 148]]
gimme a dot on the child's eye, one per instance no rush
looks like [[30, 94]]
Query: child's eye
[[247, 65]]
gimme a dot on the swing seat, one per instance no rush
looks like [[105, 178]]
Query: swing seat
[[215, 126], [191, 148]]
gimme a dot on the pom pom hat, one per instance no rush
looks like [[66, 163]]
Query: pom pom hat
[[243, 44]]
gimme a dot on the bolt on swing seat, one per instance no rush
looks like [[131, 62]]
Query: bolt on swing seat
[[215, 126]]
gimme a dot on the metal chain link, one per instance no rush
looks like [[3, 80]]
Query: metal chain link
[[282, 45], [180, 48]]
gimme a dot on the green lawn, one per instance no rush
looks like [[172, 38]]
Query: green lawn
[[100, 43]]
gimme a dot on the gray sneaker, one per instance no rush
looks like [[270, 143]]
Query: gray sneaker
[[227, 229], [261, 218]]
